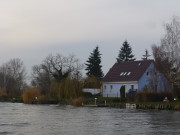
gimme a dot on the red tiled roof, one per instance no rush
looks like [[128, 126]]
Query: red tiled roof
[[135, 69]]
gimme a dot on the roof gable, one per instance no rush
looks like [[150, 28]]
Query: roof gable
[[127, 71]]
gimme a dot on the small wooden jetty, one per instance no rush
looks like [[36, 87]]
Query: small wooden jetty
[[95, 105], [90, 105], [130, 106]]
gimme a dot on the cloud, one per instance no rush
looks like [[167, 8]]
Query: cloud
[[63, 21], [44, 26]]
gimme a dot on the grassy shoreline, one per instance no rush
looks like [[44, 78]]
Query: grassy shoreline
[[117, 103], [111, 102], [12, 100]]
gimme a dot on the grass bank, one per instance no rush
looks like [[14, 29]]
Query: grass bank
[[111, 102], [118, 103], [159, 105], [12, 100]]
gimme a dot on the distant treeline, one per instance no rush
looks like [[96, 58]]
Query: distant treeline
[[59, 78]]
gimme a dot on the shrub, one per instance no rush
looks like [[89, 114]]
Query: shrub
[[131, 96], [87, 94], [92, 82], [43, 99], [151, 96], [139, 97], [167, 94], [2, 93], [176, 92], [29, 95], [116, 100], [77, 101], [67, 89]]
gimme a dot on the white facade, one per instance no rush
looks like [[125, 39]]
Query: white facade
[[112, 89]]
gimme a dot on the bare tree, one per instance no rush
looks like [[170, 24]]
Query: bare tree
[[13, 77], [163, 63], [41, 78], [170, 43], [59, 66], [167, 55], [56, 68]]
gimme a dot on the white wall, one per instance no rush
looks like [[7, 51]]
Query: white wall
[[115, 91]]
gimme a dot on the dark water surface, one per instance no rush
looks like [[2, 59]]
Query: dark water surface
[[21, 119]]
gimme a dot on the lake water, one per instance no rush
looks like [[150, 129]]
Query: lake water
[[21, 119]]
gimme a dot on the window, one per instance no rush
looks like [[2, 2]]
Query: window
[[122, 73], [156, 76], [111, 87], [125, 73], [147, 76], [128, 73], [156, 88], [147, 73], [104, 90]]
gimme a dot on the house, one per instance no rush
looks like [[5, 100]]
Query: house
[[135, 76]]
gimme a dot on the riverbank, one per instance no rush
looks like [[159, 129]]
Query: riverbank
[[146, 105], [109, 102], [159, 105], [150, 105], [118, 103], [11, 100]]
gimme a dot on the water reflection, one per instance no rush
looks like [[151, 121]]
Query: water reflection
[[67, 120]]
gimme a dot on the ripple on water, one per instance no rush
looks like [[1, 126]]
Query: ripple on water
[[15, 124], [5, 133], [68, 120]]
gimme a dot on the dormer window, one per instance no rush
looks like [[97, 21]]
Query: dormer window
[[122, 73], [128, 73], [125, 73]]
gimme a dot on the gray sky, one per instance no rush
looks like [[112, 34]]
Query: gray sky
[[33, 29]]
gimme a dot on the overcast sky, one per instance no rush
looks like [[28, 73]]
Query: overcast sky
[[33, 29]]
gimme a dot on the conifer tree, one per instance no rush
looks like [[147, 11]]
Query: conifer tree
[[125, 54], [94, 64]]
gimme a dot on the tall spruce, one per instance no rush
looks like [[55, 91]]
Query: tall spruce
[[94, 64], [125, 54]]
